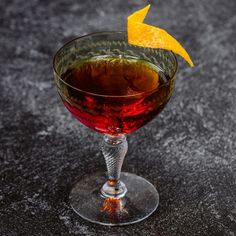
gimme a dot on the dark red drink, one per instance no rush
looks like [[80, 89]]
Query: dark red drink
[[115, 95]]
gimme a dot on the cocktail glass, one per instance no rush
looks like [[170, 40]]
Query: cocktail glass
[[119, 198]]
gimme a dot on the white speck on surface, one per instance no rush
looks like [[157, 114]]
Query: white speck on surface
[[199, 110], [45, 132], [232, 217], [231, 233], [234, 210], [215, 212]]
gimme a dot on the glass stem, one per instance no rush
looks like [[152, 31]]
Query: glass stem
[[114, 150]]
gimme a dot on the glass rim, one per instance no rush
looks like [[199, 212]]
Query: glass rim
[[103, 95]]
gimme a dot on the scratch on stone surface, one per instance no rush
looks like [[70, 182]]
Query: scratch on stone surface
[[231, 22], [216, 37], [41, 85], [76, 228]]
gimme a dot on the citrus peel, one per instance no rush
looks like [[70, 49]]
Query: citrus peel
[[144, 35]]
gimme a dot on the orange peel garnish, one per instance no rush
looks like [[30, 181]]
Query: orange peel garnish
[[144, 35]]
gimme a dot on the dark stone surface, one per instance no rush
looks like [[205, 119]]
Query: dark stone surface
[[188, 152]]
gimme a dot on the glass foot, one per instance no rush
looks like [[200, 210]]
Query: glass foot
[[140, 201]]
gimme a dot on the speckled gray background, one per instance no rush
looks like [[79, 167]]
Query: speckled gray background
[[188, 152]]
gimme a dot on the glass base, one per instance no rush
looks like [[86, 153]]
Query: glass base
[[140, 201]]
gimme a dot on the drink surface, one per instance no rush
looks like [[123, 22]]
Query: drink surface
[[115, 95]]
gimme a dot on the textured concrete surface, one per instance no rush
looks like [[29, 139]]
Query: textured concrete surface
[[188, 152]]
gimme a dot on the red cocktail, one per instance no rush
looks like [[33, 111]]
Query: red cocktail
[[113, 88], [118, 95]]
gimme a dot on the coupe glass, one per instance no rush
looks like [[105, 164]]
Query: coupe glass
[[120, 198]]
